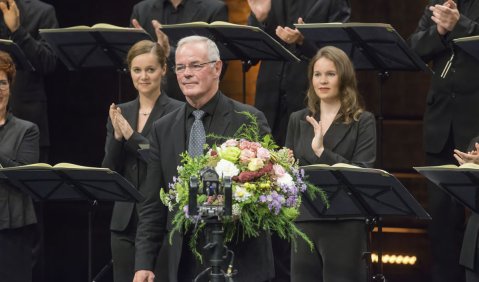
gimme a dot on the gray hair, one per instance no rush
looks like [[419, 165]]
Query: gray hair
[[213, 52]]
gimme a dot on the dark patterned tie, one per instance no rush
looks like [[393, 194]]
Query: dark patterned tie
[[197, 135]]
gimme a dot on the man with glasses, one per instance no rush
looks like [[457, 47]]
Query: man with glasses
[[198, 69]]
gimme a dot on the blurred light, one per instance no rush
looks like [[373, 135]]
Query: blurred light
[[395, 259]]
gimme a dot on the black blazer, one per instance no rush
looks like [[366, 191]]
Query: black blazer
[[29, 86], [195, 11], [285, 83], [452, 101], [254, 259], [122, 156], [353, 143], [19, 146], [469, 253]]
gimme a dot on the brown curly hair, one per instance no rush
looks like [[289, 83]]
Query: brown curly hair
[[7, 65], [351, 101]]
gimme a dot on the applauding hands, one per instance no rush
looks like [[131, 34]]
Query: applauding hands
[[445, 16], [121, 126]]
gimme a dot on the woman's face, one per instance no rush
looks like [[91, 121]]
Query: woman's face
[[325, 80], [4, 91], [146, 74]]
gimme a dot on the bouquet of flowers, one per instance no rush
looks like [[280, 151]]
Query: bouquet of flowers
[[266, 186]]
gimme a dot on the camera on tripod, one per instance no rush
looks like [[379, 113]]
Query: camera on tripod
[[210, 186]]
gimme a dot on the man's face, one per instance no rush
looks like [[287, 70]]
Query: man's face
[[197, 76]]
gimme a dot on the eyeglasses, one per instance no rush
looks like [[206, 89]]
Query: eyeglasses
[[4, 84], [195, 67]]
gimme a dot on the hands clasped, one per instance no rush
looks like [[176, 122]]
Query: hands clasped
[[445, 16], [121, 127]]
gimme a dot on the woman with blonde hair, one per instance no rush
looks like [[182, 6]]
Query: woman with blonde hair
[[334, 128]]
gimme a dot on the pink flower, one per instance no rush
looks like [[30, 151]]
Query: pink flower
[[230, 143], [263, 154], [246, 155], [279, 171], [253, 146]]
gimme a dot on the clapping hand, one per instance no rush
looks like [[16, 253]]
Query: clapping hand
[[121, 127], [317, 142], [445, 16], [469, 157], [289, 35], [260, 8], [160, 35], [11, 15]]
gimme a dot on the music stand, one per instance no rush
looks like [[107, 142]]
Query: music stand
[[460, 183], [362, 193], [469, 44], [248, 44], [21, 61], [370, 46], [80, 48], [60, 184]]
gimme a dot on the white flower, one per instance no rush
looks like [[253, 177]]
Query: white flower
[[286, 180], [226, 168], [241, 194], [236, 210]]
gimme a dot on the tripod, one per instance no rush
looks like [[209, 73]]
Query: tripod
[[218, 252]]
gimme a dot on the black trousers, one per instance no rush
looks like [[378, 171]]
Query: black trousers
[[16, 254], [339, 247], [446, 229], [123, 252]]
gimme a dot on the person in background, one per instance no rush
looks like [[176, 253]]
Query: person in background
[[19, 141], [450, 120], [281, 86], [198, 68], [20, 22], [334, 128], [148, 14], [469, 257], [128, 127]]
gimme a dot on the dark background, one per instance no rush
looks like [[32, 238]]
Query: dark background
[[78, 106]]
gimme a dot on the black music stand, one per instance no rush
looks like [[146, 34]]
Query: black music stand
[[61, 184], [469, 44], [19, 58], [80, 48], [370, 46], [460, 183], [361, 193], [248, 44]]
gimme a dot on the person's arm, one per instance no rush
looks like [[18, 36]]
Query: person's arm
[[28, 150], [113, 158], [152, 213], [426, 41], [36, 49]]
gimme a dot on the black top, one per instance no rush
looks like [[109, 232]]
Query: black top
[[19, 146]]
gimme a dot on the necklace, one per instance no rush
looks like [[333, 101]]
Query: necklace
[[145, 114]]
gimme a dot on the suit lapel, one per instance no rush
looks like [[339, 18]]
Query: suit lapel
[[223, 111], [130, 113], [334, 135], [179, 138], [157, 112]]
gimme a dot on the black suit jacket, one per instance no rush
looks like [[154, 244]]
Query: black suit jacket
[[254, 259], [195, 10], [452, 101], [29, 87], [19, 146], [469, 252], [122, 156], [353, 143], [281, 86]]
